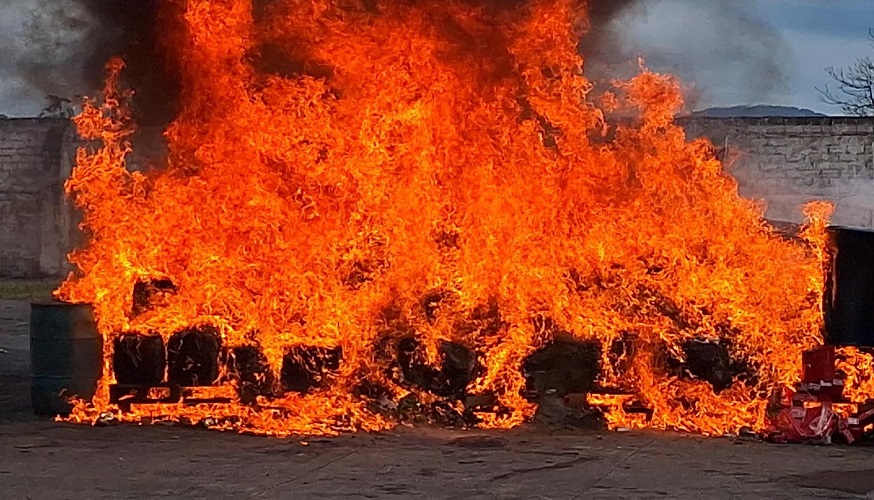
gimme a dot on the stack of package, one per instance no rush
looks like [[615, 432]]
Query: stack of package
[[816, 409]]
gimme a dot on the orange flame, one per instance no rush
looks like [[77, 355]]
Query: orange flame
[[392, 149]]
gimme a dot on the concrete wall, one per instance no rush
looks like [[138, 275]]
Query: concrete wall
[[32, 226], [784, 161], [790, 161], [38, 225]]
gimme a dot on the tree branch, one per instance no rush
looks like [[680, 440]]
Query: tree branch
[[855, 87]]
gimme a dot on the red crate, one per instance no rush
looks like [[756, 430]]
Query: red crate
[[819, 365]]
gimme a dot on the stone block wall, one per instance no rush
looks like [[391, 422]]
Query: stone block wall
[[31, 197], [38, 224], [789, 161]]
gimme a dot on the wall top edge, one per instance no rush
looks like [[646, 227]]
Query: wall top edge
[[779, 120]]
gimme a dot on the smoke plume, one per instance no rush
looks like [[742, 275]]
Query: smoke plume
[[40, 39], [730, 57], [60, 46]]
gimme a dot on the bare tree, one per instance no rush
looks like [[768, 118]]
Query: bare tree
[[855, 86]]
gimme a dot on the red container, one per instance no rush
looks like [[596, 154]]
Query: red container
[[819, 378], [819, 365]]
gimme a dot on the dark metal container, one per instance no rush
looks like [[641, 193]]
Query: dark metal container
[[66, 355], [848, 304]]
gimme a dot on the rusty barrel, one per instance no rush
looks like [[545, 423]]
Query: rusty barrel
[[848, 304], [66, 355]]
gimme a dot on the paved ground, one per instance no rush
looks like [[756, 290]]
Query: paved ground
[[44, 460]]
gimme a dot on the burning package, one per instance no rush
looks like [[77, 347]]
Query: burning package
[[803, 418]]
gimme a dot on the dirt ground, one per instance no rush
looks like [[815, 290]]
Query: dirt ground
[[40, 459]]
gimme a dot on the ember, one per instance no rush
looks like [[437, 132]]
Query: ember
[[374, 206]]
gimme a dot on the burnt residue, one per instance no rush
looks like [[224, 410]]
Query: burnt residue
[[274, 59], [305, 368], [564, 366], [361, 272], [711, 360]]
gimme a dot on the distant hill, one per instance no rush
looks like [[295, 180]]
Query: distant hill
[[756, 112]]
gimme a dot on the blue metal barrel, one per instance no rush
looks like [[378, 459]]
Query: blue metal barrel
[[66, 355]]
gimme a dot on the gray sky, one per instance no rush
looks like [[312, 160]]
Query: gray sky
[[821, 33], [738, 52], [44, 47], [730, 52]]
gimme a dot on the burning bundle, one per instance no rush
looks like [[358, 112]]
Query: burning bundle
[[370, 200]]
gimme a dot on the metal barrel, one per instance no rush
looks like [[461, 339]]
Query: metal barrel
[[848, 304], [66, 355]]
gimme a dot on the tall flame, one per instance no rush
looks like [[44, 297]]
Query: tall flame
[[387, 150]]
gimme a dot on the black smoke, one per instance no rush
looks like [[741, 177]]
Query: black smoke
[[131, 29], [66, 45], [602, 39], [730, 55], [67, 42]]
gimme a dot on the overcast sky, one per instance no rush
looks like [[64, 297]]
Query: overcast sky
[[821, 33], [730, 51], [739, 52]]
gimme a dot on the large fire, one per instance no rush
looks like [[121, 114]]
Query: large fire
[[349, 173]]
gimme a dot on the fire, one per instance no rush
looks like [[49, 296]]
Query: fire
[[858, 367], [336, 162]]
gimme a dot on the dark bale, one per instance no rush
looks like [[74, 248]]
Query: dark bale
[[193, 356], [458, 368], [305, 368], [443, 413], [372, 390], [789, 231], [393, 327], [149, 294], [414, 370], [709, 361], [248, 366], [620, 356], [139, 359], [447, 240], [563, 367], [272, 59]]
